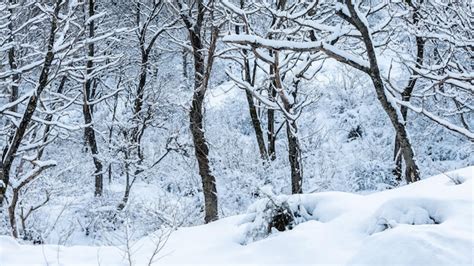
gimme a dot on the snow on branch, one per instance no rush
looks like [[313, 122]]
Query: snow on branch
[[268, 103], [8, 106], [256, 41], [246, 86], [436, 119], [40, 166], [51, 123], [330, 50]]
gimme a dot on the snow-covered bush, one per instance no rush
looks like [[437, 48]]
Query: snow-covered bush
[[371, 176], [272, 214]]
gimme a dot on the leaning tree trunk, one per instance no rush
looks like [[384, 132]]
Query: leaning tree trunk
[[87, 110], [12, 147], [406, 95], [411, 169]]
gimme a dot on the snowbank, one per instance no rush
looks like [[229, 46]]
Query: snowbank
[[426, 223]]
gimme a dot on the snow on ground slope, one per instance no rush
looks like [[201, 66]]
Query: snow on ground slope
[[426, 223]]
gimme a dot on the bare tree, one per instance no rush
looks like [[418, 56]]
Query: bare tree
[[408, 90], [353, 17], [10, 150], [196, 16], [281, 96], [87, 108], [350, 14], [152, 20], [249, 75], [18, 185], [442, 68]]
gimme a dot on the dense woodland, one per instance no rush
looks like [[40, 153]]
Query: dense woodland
[[126, 116]]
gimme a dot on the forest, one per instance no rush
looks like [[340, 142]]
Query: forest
[[125, 120]]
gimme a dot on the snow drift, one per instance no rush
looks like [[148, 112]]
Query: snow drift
[[425, 223]]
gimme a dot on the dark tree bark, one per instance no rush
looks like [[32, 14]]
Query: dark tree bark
[[87, 111], [202, 72], [197, 129], [294, 156], [49, 118], [16, 193], [185, 63], [13, 145], [202, 152], [256, 126], [12, 62], [407, 92], [141, 116], [4, 181], [411, 169], [128, 184], [271, 133], [294, 149], [111, 129], [250, 100]]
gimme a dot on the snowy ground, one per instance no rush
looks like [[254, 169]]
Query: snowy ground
[[426, 223]]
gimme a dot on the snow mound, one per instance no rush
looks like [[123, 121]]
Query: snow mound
[[408, 211], [426, 223]]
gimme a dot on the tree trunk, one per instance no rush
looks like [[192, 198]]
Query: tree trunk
[[411, 169], [294, 156], [250, 100], [12, 62], [294, 150], [202, 151], [200, 146], [406, 95], [89, 132], [49, 118], [202, 74], [253, 111], [126, 194], [256, 126], [3, 183], [271, 134], [12, 147], [111, 130], [12, 213], [185, 63], [91, 141]]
